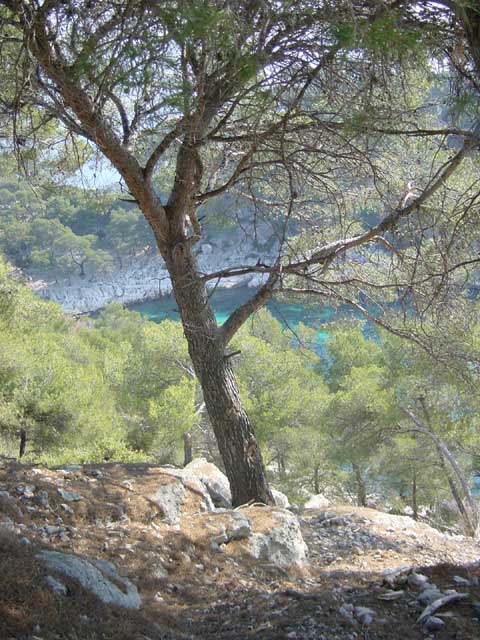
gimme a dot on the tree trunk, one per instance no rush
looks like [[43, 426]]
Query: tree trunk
[[316, 479], [414, 496], [187, 448], [361, 487], [470, 514], [233, 430], [23, 443]]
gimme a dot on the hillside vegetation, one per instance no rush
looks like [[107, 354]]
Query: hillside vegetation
[[333, 423]]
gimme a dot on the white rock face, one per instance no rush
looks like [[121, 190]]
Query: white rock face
[[212, 478], [280, 498], [317, 502], [146, 278], [277, 537], [176, 495], [169, 497], [94, 575]]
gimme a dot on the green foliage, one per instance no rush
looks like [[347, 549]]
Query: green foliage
[[81, 392], [65, 232]]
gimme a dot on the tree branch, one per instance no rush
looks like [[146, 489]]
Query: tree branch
[[238, 317], [161, 148]]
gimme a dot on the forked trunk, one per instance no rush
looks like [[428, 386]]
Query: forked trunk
[[233, 430]]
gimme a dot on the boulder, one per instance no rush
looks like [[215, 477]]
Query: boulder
[[217, 529], [97, 576], [169, 497], [214, 480], [276, 537], [280, 499], [318, 501], [175, 495]]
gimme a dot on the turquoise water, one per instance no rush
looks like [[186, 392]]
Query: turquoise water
[[224, 301]]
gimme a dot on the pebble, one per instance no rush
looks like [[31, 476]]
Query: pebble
[[69, 496], [433, 624], [67, 508], [27, 491], [95, 473], [42, 497], [417, 580], [56, 586], [365, 615], [427, 596]]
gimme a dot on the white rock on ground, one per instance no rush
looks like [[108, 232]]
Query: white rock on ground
[[318, 501], [176, 494], [94, 575], [214, 480], [169, 497], [276, 537], [280, 499]]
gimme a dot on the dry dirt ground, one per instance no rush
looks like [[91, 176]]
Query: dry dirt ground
[[349, 591]]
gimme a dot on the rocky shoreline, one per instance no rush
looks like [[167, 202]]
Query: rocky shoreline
[[145, 277]]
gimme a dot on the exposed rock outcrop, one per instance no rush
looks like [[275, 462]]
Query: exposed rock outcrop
[[145, 277], [98, 576], [212, 478], [280, 499], [276, 537], [175, 495], [318, 501]]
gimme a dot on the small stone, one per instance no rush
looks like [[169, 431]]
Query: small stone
[[52, 530], [27, 490], [56, 586], [433, 624], [67, 508], [461, 581], [429, 595], [24, 542], [346, 610], [365, 615], [7, 523], [417, 580], [391, 595], [69, 496], [95, 473], [159, 572], [42, 497], [4, 494]]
